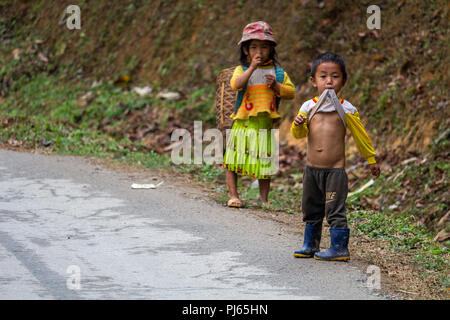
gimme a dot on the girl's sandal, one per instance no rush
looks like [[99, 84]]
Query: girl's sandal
[[235, 203]]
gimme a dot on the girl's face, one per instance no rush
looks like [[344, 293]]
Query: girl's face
[[328, 76], [258, 47]]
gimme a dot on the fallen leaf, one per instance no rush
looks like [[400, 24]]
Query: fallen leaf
[[375, 34], [419, 205], [173, 145], [142, 91], [436, 13], [405, 192], [42, 57], [122, 80], [16, 54], [442, 236], [444, 219], [378, 57], [171, 96], [409, 160], [426, 78]]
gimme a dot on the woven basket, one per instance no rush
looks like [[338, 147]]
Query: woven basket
[[225, 100]]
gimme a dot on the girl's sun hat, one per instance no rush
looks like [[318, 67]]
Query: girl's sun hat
[[259, 30]]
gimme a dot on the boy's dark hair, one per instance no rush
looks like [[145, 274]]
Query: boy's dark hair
[[329, 57], [246, 44]]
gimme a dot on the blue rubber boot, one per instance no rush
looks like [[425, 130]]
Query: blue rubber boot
[[311, 241], [338, 250]]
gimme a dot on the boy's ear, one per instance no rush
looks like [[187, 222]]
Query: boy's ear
[[245, 50], [313, 81]]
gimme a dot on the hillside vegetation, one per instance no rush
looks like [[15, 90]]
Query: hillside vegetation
[[70, 91]]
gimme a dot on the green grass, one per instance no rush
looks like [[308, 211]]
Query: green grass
[[400, 231], [405, 237], [44, 111]]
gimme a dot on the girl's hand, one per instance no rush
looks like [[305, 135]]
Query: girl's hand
[[299, 120], [272, 83], [374, 169], [256, 61], [270, 79]]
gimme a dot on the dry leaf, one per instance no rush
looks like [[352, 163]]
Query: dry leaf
[[16, 54], [42, 57], [442, 236]]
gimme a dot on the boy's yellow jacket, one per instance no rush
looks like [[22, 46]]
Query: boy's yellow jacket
[[355, 125]]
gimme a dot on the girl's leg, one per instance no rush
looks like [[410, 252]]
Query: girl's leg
[[231, 178], [264, 188]]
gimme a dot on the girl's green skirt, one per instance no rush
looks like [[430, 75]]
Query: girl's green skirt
[[249, 147]]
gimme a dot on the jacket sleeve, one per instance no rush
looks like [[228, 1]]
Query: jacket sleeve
[[301, 131], [363, 142], [287, 88], [237, 72]]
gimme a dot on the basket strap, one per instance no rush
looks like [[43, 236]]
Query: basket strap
[[279, 72], [240, 95], [221, 103]]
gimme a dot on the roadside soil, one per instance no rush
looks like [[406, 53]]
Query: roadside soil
[[399, 278]]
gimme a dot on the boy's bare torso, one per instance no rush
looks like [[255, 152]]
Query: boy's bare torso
[[326, 141]]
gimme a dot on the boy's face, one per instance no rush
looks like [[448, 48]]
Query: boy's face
[[328, 76], [258, 47]]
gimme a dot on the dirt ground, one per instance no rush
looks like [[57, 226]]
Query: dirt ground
[[398, 277]]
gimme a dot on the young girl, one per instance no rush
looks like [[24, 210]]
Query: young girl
[[261, 82]]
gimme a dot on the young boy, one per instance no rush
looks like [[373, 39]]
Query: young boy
[[325, 185]]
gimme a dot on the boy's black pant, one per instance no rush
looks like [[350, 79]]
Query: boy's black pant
[[324, 194]]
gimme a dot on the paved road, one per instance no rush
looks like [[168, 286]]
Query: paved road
[[71, 229]]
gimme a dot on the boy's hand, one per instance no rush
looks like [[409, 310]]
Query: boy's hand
[[299, 119], [375, 169]]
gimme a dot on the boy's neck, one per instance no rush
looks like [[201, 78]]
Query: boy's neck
[[337, 95], [320, 93]]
